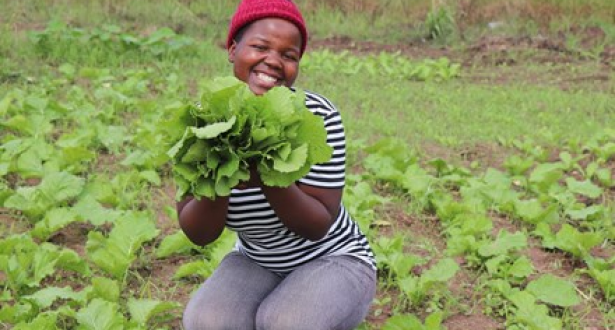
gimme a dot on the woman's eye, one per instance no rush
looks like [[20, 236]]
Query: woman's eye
[[290, 57], [259, 47]]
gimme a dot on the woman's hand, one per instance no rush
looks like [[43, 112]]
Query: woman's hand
[[305, 210], [202, 220], [253, 182]]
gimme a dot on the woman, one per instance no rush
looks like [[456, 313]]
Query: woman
[[300, 262]]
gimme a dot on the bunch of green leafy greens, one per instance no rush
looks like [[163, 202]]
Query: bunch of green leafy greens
[[232, 129]]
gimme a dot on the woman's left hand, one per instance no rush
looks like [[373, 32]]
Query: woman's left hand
[[253, 182]]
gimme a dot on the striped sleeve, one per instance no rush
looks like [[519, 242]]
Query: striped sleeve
[[332, 173]]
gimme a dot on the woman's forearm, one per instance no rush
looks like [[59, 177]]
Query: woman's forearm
[[202, 220], [300, 212]]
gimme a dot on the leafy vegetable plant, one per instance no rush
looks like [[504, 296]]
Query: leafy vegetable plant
[[232, 130]]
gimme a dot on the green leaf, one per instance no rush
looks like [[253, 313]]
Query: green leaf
[[543, 230], [61, 186], [176, 150], [294, 162], [151, 177], [17, 313], [73, 158], [30, 164], [533, 315], [89, 209], [99, 189], [401, 263], [47, 296], [604, 176], [104, 288], [521, 268], [68, 259], [403, 322], [5, 103], [517, 165], [197, 152], [213, 130], [44, 263], [53, 221], [585, 188], [545, 175], [115, 253], [443, 271], [575, 242], [4, 168], [142, 310], [493, 265], [606, 280], [27, 199], [417, 181], [554, 291], [46, 320], [434, 321], [503, 243], [586, 213], [198, 268], [177, 243], [280, 100], [532, 211], [100, 315], [112, 137]]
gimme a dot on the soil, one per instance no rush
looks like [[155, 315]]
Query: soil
[[475, 322], [425, 239], [551, 49]]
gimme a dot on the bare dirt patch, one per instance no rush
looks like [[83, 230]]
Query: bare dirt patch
[[74, 236], [11, 224], [473, 321]]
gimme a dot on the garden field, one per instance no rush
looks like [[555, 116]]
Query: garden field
[[480, 157]]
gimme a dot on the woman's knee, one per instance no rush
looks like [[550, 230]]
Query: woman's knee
[[197, 319], [268, 318], [215, 319]]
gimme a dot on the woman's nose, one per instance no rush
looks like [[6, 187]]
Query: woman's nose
[[273, 60]]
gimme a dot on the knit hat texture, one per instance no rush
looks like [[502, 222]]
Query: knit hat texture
[[249, 11]]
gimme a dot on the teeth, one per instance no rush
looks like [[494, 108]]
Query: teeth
[[266, 78]]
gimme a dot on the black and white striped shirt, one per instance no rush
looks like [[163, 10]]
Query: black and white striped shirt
[[265, 239]]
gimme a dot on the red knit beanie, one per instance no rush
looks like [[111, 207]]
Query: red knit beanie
[[249, 11]]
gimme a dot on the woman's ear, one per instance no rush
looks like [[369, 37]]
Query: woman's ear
[[231, 52]]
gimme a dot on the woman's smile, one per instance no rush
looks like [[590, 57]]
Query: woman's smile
[[266, 81]]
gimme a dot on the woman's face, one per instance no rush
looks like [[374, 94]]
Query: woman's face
[[267, 54]]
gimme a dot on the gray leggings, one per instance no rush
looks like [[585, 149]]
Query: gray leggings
[[329, 293]]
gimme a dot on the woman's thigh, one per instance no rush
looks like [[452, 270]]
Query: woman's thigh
[[331, 293], [230, 297]]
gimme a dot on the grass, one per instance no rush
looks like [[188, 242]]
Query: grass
[[465, 113], [452, 113]]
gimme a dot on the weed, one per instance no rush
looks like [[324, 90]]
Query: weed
[[440, 23]]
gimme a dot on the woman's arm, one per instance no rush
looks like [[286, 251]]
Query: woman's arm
[[307, 211], [202, 220]]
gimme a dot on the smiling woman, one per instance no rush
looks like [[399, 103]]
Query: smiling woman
[[301, 261], [267, 54]]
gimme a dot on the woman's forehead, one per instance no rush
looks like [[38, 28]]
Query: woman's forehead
[[275, 26]]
